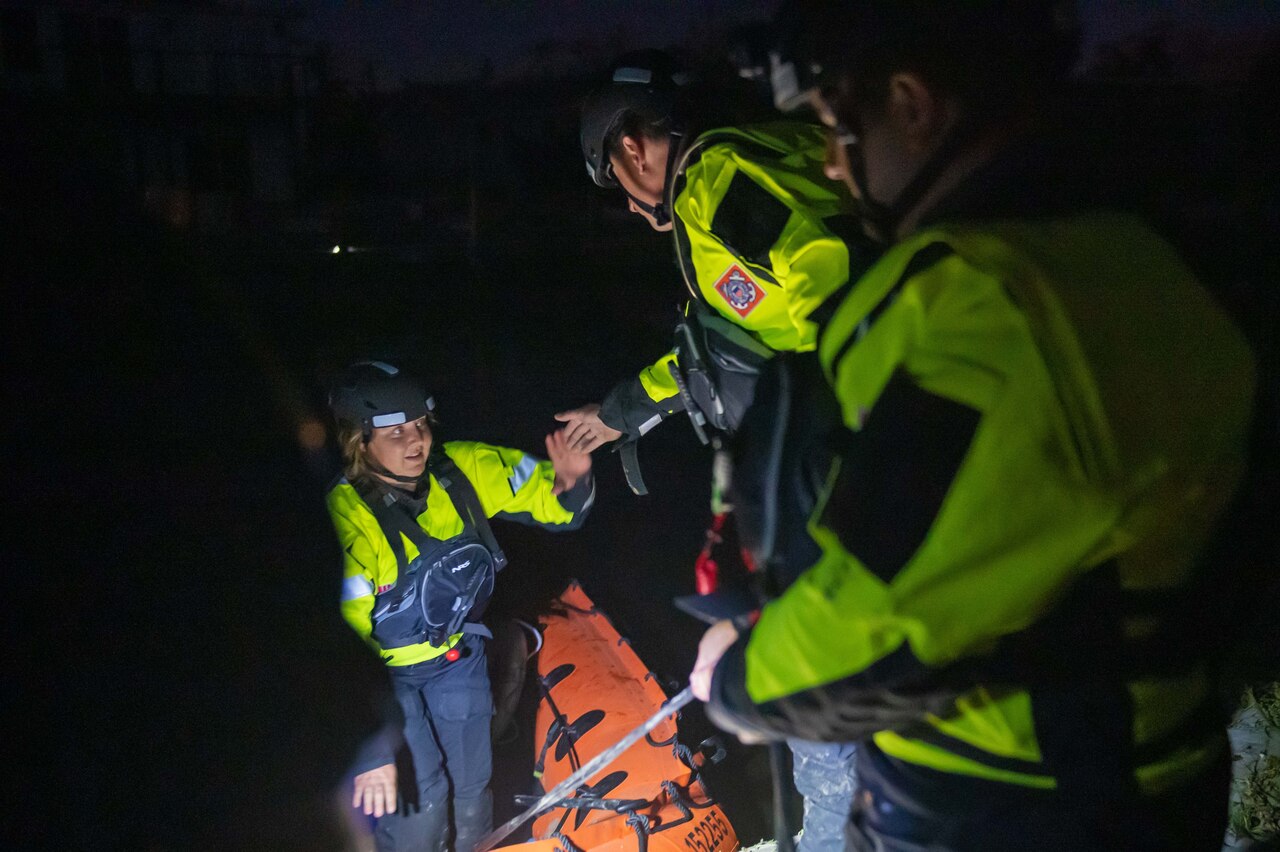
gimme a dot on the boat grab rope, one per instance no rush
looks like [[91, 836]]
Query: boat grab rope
[[590, 768], [537, 638]]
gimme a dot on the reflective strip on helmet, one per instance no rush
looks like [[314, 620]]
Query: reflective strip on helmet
[[356, 586], [632, 75], [520, 473], [384, 367], [395, 418]]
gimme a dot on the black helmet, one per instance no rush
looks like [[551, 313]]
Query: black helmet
[[373, 394], [646, 81]]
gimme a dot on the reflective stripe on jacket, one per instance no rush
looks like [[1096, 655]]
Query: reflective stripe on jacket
[[1044, 421], [509, 484]]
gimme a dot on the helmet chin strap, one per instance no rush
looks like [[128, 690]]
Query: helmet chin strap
[[416, 481], [876, 214], [885, 218], [657, 212]]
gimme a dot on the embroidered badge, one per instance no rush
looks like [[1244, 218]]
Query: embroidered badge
[[386, 588], [739, 290]]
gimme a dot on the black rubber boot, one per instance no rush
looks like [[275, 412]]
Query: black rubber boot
[[473, 819], [414, 829]]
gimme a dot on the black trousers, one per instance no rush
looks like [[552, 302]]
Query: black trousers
[[445, 768]]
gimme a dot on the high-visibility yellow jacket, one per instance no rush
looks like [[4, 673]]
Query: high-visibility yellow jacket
[[760, 236], [1043, 420], [510, 484]]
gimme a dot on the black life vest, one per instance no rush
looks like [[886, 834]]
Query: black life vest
[[449, 583]]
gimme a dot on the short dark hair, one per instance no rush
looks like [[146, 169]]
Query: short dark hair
[[642, 123]]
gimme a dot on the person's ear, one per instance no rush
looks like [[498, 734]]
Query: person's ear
[[633, 152], [921, 116]]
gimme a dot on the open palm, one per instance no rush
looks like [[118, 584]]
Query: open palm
[[570, 464]]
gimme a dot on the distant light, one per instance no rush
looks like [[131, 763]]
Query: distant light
[[336, 250], [311, 435]]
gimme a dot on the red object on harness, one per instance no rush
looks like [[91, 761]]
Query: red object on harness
[[706, 571], [453, 655]]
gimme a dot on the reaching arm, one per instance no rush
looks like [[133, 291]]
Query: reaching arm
[[631, 409], [516, 486], [955, 475]]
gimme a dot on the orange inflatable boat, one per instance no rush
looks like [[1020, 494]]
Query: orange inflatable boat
[[593, 690]]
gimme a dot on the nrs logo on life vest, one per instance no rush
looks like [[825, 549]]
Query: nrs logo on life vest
[[739, 290]]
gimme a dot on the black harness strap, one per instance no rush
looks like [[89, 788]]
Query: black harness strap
[[695, 414], [394, 518], [467, 503]]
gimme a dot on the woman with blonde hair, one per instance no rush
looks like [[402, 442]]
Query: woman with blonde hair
[[420, 560]]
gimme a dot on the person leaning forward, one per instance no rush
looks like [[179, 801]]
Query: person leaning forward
[[1044, 416], [412, 518], [763, 236]]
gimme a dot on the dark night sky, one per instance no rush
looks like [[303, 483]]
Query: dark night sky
[[453, 40]]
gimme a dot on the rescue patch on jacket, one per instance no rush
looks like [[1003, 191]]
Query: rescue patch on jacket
[[739, 290]]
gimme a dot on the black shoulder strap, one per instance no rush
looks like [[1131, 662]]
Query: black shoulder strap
[[392, 520], [465, 500]]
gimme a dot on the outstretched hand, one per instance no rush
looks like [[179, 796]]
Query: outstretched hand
[[585, 430], [570, 464]]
